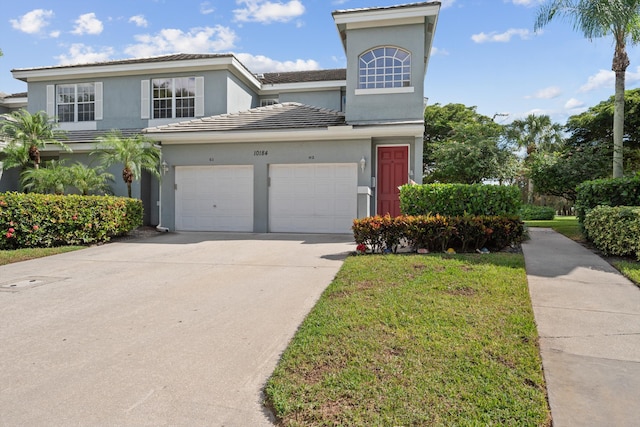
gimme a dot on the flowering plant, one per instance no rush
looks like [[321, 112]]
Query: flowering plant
[[361, 248]]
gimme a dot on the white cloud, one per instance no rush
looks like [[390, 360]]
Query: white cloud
[[32, 22], [139, 20], [196, 40], [206, 8], [527, 2], [438, 51], [602, 79], [87, 24], [262, 64], [447, 3], [83, 54], [573, 103], [494, 36], [265, 11], [546, 93], [54, 34]]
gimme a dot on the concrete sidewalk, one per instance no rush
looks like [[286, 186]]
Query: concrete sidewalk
[[588, 318]]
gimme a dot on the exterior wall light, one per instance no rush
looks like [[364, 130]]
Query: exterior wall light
[[165, 167], [363, 163]]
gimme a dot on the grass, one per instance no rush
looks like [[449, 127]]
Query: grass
[[567, 225], [17, 255], [630, 269], [433, 340]]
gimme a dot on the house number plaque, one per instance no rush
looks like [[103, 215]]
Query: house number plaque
[[260, 153]]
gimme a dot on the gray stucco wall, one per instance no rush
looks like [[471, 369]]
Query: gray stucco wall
[[386, 107], [122, 97], [243, 154], [330, 99]]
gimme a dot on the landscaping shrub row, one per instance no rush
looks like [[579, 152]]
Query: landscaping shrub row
[[614, 230], [459, 199], [437, 232], [606, 192], [45, 220], [537, 213]]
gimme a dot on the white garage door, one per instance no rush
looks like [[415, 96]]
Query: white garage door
[[313, 198], [214, 198]]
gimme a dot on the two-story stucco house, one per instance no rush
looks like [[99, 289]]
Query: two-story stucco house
[[276, 152]]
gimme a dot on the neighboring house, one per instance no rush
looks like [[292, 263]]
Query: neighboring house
[[301, 151]]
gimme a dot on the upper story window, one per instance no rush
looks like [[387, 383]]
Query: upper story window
[[384, 67], [174, 98], [76, 102], [267, 102]]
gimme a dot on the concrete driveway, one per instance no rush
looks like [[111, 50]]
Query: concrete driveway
[[176, 329]]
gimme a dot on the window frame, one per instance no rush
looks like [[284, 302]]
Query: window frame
[[384, 69], [174, 98], [76, 100]]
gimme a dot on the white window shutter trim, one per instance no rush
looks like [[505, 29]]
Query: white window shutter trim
[[51, 101], [145, 101], [199, 96], [98, 100]]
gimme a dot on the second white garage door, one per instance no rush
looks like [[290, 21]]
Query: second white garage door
[[214, 198], [313, 198]]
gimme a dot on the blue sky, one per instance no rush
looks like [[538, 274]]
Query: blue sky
[[485, 51]]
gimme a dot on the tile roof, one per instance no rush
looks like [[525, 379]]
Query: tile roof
[[16, 95], [152, 59], [85, 136], [303, 76], [289, 115], [399, 6]]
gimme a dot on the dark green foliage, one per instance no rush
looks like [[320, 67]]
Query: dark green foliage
[[459, 199], [614, 230], [44, 220], [437, 232], [533, 212], [607, 192]]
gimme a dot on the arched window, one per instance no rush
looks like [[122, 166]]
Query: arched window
[[384, 67]]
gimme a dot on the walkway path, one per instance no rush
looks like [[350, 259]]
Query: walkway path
[[588, 318]]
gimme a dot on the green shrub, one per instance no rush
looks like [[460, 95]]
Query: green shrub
[[45, 220], [437, 232], [614, 230], [606, 192], [534, 212], [459, 199]]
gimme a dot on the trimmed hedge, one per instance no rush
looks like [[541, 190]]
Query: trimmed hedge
[[459, 199], [45, 220], [606, 192], [437, 232], [534, 212], [615, 230]]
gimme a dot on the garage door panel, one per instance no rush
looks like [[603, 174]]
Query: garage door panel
[[313, 198], [214, 198]]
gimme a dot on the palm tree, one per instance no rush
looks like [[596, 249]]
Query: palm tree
[[89, 180], [34, 131], [598, 18], [134, 153], [535, 134], [52, 178]]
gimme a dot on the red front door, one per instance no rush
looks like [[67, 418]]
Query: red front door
[[393, 171]]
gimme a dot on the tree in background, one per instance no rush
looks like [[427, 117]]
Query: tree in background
[[27, 134], [535, 134], [599, 18], [465, 147], [135, 154]]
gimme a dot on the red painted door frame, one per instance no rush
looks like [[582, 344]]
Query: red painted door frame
[[393, 171]]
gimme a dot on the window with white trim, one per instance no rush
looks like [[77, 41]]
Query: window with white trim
[[174, 97], [76, 102], [267, 102], [384, 67]]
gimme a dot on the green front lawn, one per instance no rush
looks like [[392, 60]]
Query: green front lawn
[[17, 255], [416, 340], [567, 225]]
